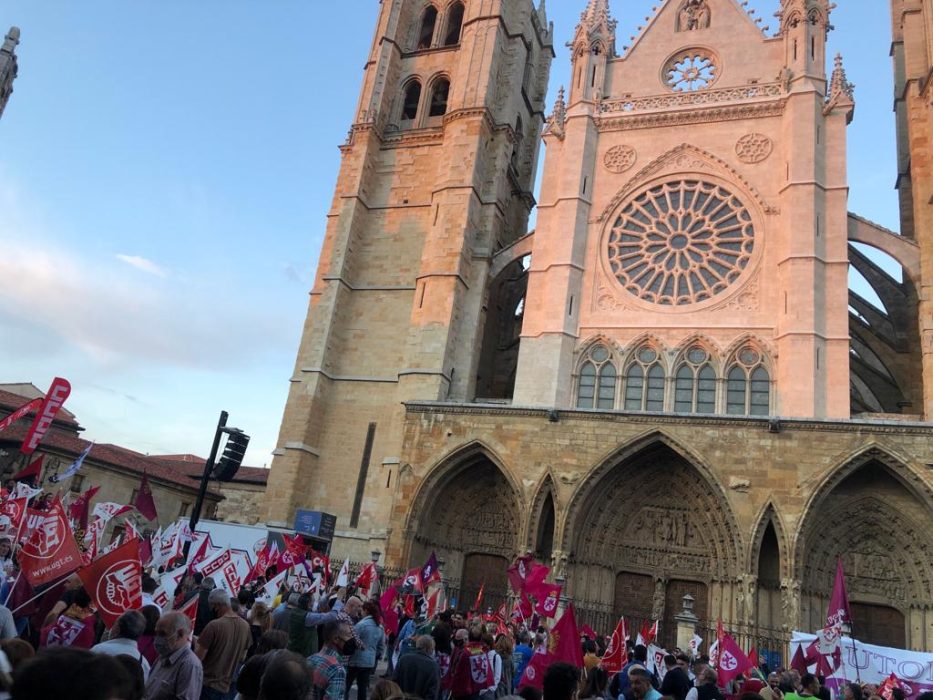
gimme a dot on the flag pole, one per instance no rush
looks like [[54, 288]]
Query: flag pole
[[10, 592]]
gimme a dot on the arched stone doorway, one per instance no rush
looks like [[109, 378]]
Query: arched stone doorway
[[469, 513], [880, 527], [645, 529]]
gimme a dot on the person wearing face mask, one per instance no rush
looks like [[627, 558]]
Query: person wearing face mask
[[178, 673], [328, 674], [222, 646]]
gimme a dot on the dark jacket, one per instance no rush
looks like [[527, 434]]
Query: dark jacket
[[418, 674], [709, 691], [676, 683]]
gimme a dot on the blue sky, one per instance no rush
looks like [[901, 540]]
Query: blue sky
[[165, 172]]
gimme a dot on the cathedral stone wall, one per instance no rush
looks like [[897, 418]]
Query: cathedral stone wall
[[678, 499]]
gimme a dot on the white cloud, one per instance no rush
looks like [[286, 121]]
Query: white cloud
[[118, 319], [144, 264]]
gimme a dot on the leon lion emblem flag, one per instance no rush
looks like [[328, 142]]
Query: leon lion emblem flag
[[115, 581]]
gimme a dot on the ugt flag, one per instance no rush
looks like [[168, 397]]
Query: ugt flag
[[51, 551], [838, 612], [115, 581]]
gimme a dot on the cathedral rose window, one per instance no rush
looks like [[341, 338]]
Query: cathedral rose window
[[690, 70], [680, 242]]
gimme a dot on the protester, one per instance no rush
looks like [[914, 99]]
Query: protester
[[74, 627], [150, 586], [505, 651], [178, 674], [124, 638], [134, 686], [596, 683], [7, 625], [495, 668], [260, 622], [286, 678], [676, 683], [328, 676], [146, 642], [418, 673], [18, 651], [302, 640], [522, 654], [362, 664], [706, 686], [386, 690], [249, 679], [560, 681], [205, 613], [60, 673], [222, 646]]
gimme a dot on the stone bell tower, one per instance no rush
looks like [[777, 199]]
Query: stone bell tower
[[436, 176], [8, 67]]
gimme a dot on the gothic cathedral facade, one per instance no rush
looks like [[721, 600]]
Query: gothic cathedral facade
[[665, 387]]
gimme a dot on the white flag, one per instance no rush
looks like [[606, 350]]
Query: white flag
[[343, 578], [73, 469], [268, 592]]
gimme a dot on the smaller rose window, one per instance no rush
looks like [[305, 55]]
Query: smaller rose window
[[691, 70]]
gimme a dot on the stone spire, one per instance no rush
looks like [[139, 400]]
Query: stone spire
[[841, 91], [839, 85], [555, 124], [815, 12], [8, 66], [596, 26]]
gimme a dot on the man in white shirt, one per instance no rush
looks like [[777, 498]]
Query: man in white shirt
[[128, 628], [149, 587]]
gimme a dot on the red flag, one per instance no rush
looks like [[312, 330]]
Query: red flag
[[588, 631], [115, 582], [434, 603], [15, 510], [410, 606], [563, 642], [839, 612], [294, 552], [732, 660], [534, 671], [548, 600], [518, 572], [650, 632], [202, 554], [20, 412], [51, 551], [32, 471], [78, 510], [477, 605], [752, 659], [263, 562], [799, 661], [615, 657], [145, 551], [144, 502], [58, 392], [389, 615], [523, 608], [190, 609], [366, 579], [887, 688]]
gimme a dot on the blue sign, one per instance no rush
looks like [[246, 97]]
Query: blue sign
[[315, 523]]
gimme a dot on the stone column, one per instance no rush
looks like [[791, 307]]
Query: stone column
[[686, 623]]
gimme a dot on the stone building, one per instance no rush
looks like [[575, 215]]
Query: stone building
[[174, 479], [666, 387], [8, 66]]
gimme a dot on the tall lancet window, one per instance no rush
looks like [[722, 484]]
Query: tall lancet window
[[454, 24], [596, 387]]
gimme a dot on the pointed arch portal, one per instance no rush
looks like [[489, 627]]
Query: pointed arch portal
[[644, 530], [468, 511]]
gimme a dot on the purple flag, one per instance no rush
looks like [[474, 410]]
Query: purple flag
[[429, 572], [839, 612]]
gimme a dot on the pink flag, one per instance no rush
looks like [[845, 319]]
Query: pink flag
[[389, 615], [732, 660], [144, 502], [839, 612], [534, 671], [548, 600]]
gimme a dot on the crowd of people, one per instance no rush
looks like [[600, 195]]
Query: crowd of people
[[299, 647]]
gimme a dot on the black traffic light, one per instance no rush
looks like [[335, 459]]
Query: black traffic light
[[232, 457]]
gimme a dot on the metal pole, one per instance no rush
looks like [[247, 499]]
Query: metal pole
[[202, 491]]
